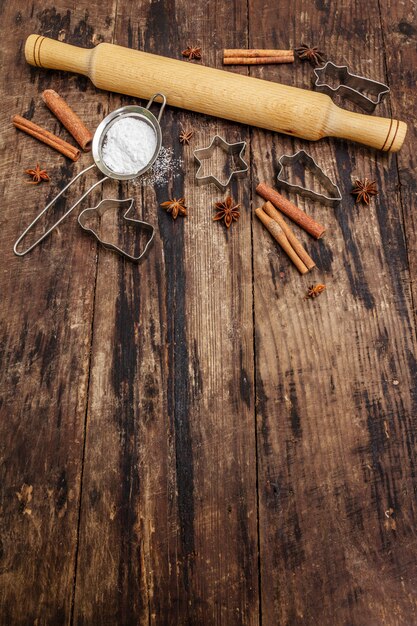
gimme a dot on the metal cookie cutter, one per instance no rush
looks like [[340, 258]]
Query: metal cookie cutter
[[104, 206], [141, 113], [331, 199], [364, 92], [202, 154]]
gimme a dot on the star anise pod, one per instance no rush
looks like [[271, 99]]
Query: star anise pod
[[311, 54], [175, 207], [315, 290], [37, 174], [227, 211], [192, 52], [185, 136], [364, 189]]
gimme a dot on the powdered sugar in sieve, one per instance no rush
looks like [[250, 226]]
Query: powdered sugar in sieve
[[128, 145]]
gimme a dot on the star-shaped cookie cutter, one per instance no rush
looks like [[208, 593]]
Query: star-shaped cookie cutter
[[201, 154], [351, 86], [104, 206], [333, 196]]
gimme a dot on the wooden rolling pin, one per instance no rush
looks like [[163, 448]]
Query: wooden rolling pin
[[298, 112]]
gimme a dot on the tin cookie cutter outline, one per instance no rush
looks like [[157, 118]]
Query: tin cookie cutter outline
[[201, 154], [352, 86], [334, 196], [103, 206]]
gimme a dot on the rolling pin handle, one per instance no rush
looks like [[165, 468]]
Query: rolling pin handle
[[377, 132], [48, 53]]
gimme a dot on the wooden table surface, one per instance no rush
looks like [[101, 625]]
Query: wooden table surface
[[191, 441]]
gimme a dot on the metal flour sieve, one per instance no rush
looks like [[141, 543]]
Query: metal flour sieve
[[140, 113]]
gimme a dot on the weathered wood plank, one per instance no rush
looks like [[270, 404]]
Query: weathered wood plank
[[335, 378], [46, 312], [168, 525], [399, 31]]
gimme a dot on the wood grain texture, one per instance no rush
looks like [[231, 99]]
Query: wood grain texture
[[400, 32], [335, 377], [191, 441], [47, 301], [173, 508]]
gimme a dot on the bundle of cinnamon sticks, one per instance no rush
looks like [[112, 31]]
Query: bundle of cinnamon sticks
[[67, 117], [256, 56], [270, 215]]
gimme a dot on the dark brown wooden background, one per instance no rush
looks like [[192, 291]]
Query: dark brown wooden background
[[190, 441]]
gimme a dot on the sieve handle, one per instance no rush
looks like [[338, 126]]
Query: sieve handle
[[152, 100], [38, 217]]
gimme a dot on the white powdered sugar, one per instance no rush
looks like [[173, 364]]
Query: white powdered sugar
[[128, 146], [166, 167]]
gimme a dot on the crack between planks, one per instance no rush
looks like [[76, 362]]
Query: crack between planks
[[77, 540], [255, 409], [387, 73], [148, 595], [258, 535]]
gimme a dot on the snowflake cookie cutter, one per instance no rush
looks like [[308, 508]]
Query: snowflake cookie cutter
[[333, 195], [364, 92], [233, 149], [104, 206]]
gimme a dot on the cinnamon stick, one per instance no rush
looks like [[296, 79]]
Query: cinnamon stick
[[21, 123], [254, 52], [293, 212], [295, 243], [68, 118], [257, 60], [279, 235]]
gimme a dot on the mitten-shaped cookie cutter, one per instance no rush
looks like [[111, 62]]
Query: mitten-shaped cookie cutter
[[100, 209]]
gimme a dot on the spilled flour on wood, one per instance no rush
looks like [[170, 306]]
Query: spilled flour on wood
[[165, 167]]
